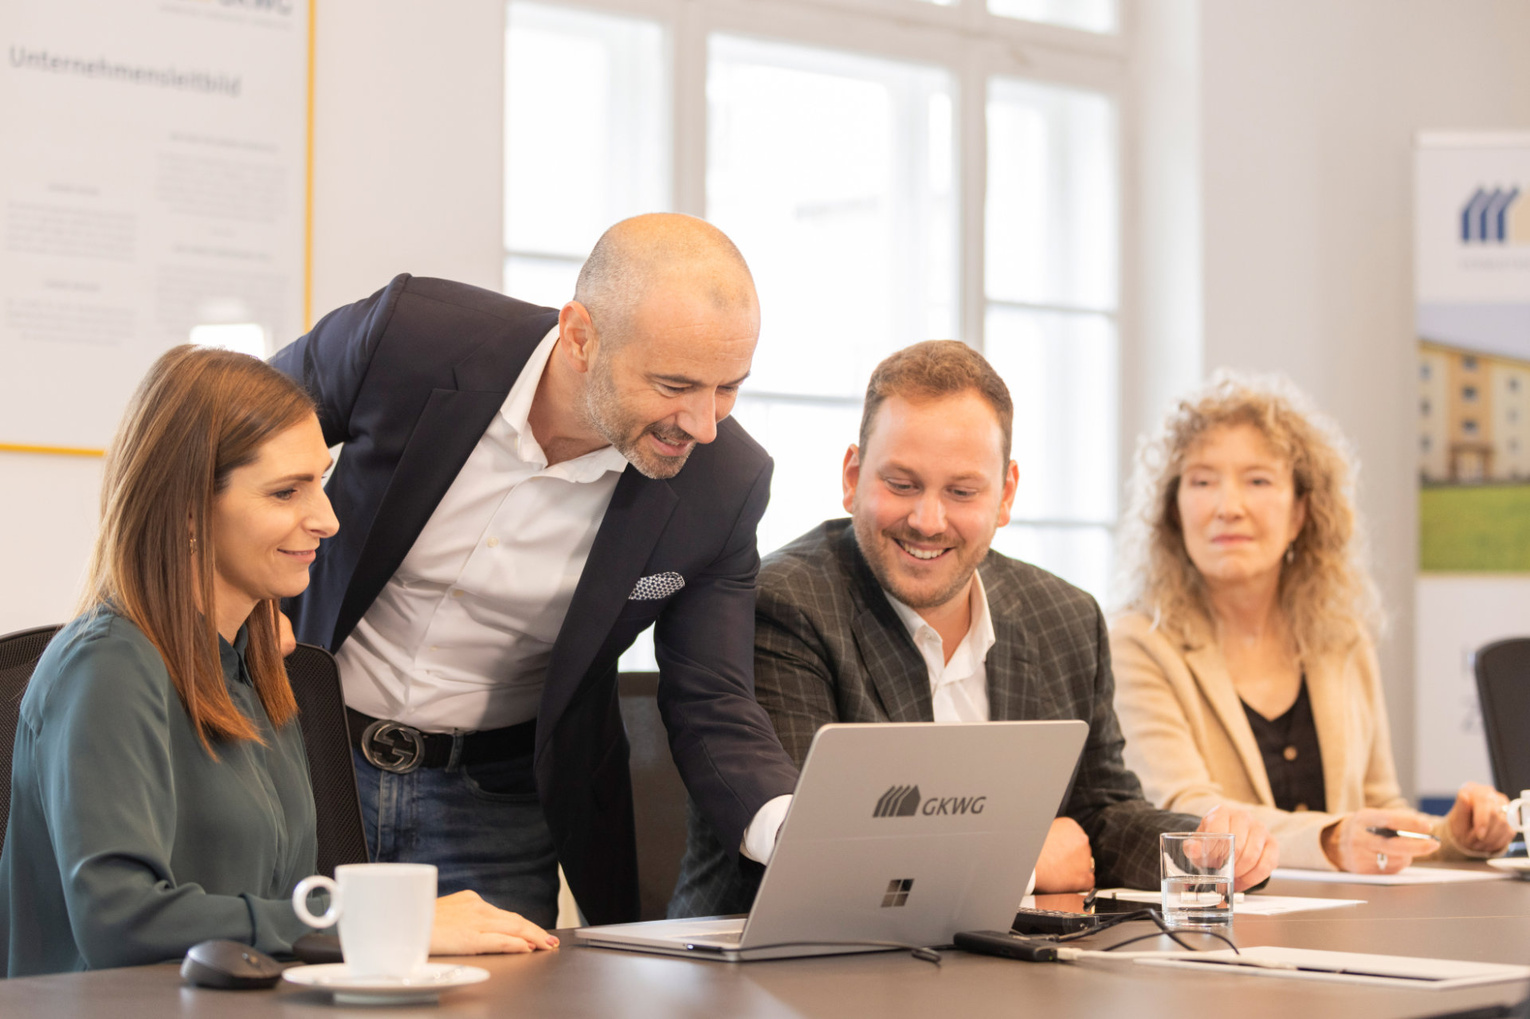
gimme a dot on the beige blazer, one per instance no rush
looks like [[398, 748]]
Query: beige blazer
[[1190, 743]]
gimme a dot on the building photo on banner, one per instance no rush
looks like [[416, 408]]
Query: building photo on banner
[[1472, 280]]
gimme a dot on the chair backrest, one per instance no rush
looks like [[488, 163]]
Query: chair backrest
[[316, 684], [658, 794], [1503, 687], [315, 679], [19, 653]]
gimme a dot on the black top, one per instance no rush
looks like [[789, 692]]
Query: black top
[[1292, 758]]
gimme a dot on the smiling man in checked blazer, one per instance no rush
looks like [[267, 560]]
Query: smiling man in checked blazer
[[903, 613], [513, 513]]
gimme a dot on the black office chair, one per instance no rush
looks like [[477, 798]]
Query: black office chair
[[315, 680], [19, 653], [321, 715], [658, 794], [1503, 687]]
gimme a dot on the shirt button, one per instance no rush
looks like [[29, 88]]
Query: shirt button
[[1301, 807], [1289, 753], [493, 542]]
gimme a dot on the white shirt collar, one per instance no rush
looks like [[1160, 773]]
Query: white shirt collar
[[516, 412], [979, 637]]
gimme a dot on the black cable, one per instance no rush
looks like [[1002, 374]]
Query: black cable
[[1172, 933]]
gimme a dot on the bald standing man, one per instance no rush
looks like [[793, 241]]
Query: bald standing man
[[522, 491]]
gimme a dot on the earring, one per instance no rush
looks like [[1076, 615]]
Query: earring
[[193, 544], [1291, 553]]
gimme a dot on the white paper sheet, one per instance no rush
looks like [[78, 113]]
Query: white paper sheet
[[1258, 904], [1411, 876], [1346, 967]]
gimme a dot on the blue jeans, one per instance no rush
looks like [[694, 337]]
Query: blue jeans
[[482, 827]]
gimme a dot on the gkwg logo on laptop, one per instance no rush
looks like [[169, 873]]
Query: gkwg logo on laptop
[[904, 801]]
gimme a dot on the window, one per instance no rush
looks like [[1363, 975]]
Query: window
[[1091, 15], [1513, 384], [1425, 444], [1424, 371], [1423, 407], [1469, 393], [558, 198], [891, 175], [1468, 363], [1469, 426]]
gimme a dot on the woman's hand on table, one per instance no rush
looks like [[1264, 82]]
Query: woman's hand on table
[[467, 925], [1477, 821], [1350, 846]]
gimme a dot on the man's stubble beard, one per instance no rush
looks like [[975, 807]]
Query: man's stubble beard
[[873, 545], [602, 408]]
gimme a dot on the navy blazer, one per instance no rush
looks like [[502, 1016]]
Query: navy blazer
[[409, 379]]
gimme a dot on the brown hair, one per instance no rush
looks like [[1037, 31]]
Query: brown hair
[[197, 416], [933, 369], [1328, 598]]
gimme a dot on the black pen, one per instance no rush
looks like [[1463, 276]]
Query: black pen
[[1394, 833]]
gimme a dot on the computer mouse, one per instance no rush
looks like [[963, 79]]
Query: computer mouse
[[230, 966]]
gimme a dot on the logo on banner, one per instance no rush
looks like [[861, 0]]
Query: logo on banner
[[1496, 216]]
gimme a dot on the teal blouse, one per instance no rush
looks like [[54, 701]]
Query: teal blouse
[[128, 843]]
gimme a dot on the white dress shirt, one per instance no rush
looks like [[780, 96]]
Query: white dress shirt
[[958, 688], [460, 636]]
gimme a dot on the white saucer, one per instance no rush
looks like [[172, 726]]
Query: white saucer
[[423, 986], [1516, 864]]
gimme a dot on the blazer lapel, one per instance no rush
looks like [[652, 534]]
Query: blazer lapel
[[1012, 687], [639, 510], [450, 426], [895, 670], [1216, 685], [1325, 689]]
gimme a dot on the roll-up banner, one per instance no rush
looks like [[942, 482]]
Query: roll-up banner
[[1472, 290]]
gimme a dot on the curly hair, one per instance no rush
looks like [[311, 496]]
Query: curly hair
[[1325, 592]]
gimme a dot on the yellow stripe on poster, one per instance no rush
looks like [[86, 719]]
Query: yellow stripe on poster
[[308, 183], [6, 447]]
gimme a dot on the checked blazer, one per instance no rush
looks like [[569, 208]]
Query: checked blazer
[[828, 647]]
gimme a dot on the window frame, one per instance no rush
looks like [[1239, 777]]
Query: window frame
[[973, 46]]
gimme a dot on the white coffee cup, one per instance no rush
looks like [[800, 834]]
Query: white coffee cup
[[1514, 810], [385, 911]]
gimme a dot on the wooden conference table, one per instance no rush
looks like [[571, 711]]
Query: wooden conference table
[[1487, 921]]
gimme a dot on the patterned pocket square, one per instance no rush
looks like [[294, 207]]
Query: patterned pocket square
[[659, 585]]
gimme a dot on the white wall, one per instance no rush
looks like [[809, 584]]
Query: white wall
[[1305, 118], [1308, 112], [408, 152], [407, 167]]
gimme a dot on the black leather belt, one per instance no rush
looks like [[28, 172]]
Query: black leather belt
[[399, 748]]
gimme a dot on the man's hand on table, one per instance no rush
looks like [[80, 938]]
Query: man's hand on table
[[1258, 854], [1066, 863]]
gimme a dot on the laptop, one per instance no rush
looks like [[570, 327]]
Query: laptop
[[899, 834]]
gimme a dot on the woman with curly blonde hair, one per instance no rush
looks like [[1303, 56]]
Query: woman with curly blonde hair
[[1244, 659]]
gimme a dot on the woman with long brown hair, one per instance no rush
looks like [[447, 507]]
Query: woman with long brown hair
[[1245, 664], [159, 789]]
